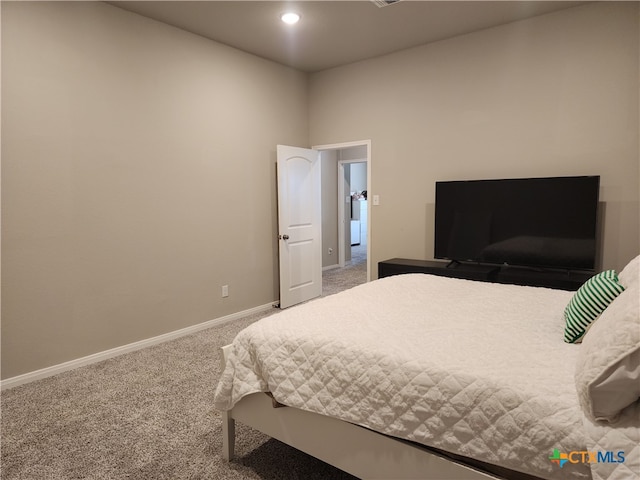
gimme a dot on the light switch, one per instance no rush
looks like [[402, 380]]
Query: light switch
[[376, 199]]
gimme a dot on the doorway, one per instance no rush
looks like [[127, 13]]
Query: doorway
[[352, 212], [346, 204]]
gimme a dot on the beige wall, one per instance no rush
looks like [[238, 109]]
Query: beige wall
[[138, 161], [138, 177], [358, 176], [552, 95], [329, 159]]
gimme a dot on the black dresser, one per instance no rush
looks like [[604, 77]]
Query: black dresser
[[563, 280]]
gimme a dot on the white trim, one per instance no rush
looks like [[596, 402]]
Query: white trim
[[114, 352], [342, 196], [338, 146], [341, 220], [330, 267]]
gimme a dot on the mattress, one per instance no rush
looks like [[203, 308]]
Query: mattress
[[476, 369]]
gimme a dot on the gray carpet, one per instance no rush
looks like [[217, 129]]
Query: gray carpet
[[147, 415], [353, 273]]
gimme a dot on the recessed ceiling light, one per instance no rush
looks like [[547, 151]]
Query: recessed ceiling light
[[290, 18]]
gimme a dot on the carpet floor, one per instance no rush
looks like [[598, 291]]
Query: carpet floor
[[148, 415]]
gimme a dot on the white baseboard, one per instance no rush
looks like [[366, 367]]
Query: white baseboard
[[114, 352], [330, 267]]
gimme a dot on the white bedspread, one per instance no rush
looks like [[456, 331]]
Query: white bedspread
[[473, 368]]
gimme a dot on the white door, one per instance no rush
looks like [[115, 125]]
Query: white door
[[299, 224]]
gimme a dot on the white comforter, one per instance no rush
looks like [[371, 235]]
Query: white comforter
[[473, 368]]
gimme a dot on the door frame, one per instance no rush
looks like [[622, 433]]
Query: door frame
[[342, 227], [341, 146]]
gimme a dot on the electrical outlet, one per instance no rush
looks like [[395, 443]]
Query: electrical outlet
[[225, 291]]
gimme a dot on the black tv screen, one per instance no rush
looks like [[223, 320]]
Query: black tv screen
[[536, 222]]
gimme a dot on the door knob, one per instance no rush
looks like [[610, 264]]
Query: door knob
[[284, 237]]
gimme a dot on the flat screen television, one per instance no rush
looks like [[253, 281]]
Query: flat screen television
[[535, 222]]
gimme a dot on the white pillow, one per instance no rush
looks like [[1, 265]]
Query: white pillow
[[630, 274], [608, 363]]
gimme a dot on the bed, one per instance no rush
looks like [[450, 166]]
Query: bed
[[419, 376]]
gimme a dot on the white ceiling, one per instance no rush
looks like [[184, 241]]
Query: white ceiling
[[334, 33]]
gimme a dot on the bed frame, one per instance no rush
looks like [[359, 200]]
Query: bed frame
[[361, 452]]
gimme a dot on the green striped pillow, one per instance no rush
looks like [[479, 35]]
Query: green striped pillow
[[588, 303]]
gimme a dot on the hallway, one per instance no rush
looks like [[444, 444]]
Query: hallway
[[354, 272]]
